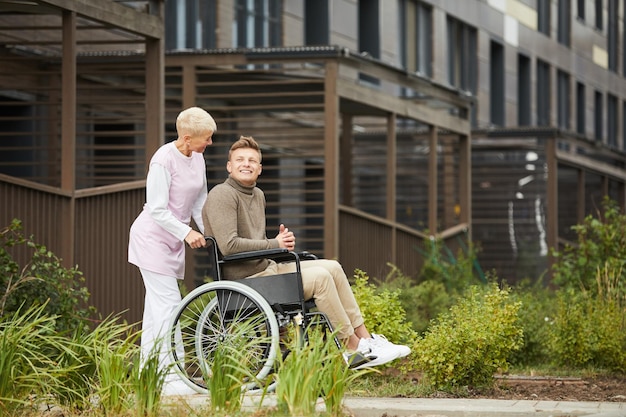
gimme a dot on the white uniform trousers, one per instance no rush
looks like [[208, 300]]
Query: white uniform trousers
[[162, 298]]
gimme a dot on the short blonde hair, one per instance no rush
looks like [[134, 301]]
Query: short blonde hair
[[245, 142], [194, 121]]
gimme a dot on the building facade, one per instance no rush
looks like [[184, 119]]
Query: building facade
[[546, 79], [384, 122]]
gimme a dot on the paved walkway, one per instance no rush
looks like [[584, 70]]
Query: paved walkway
[[432, 407]]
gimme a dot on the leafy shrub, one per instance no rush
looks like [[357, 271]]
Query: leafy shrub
[[43, 280], [601, 246], [589, 326], [444, 276], [588, 331], [382, 310], [422, 302], [456, 273], [467, 345], [535, 316]]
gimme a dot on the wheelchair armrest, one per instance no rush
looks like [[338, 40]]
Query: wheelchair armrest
[[277, 253], [305, 255]]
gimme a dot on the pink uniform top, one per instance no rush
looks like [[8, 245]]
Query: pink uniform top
[[176, 189]]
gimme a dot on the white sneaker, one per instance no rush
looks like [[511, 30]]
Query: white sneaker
[[177, 387], [380, 340], [378, 353]]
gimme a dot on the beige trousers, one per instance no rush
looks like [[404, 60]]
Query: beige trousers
[[325, 281]]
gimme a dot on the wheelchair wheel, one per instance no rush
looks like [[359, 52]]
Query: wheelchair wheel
[[218, 313]]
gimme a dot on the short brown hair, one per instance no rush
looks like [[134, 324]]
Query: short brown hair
[[245, 142]]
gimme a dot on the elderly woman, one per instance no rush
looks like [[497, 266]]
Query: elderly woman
[[176, 188]]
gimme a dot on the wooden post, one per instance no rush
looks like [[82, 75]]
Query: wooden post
[[68, 135], [331, 165]]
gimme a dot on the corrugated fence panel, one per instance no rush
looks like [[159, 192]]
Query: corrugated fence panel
[[102, 229], [39, 213], [364, 244]]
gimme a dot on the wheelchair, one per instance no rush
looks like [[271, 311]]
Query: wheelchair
[[254, 310]]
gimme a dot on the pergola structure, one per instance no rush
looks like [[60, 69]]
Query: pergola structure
[[361, 159], [81, 98]]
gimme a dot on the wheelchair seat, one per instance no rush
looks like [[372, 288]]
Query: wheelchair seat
[[282, 291]]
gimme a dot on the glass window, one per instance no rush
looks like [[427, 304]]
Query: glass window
[[580, 108], [316, 24], [612, 35], [611, 120], [543, 93], [496, 81], [369, 32], [257, 23], [623, 126], [524, 83], [563, 33], [416, 36], [597, 116], [563, 100], [543, 16], [580, 9], [190, 24], [599, 19], [462, 55]]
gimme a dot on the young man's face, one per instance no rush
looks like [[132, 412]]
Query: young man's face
[[244, 166]]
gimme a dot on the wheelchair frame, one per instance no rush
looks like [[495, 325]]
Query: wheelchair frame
[[249, 310]]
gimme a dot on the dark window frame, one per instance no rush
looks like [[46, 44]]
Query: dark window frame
[[524, 86], [497, 102], [416, 37], [564, 22], [598, 114], [543, 93], [316, 22], [612, 35], [263, 36], [581, 110], [599, 20], [543, 17], [580, 9], [462, 55], [197, 15], [563, 100], [611, 120]]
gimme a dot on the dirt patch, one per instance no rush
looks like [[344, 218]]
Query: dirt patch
[[558, 389], [551, 389], [513, 387]]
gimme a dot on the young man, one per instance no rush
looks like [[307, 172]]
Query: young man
[[234, 213]]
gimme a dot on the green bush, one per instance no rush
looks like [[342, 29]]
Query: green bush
[[535, 316], [455, 272], [422, 302], [588, 331], [601, 246], [43, 280], [589, 326], [467, 345], [382, 310], [444, 276]]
